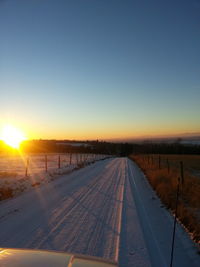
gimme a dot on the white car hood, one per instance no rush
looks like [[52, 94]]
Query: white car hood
[[42, 258]]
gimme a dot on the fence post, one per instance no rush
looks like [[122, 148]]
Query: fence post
[[174, 227], [27, 164], [46, 163], [59, 162]]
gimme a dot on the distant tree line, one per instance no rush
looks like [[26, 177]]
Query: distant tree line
[[166, 148], [66, 146], [102, 147]]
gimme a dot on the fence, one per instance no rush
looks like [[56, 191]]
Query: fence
[[34, 163]]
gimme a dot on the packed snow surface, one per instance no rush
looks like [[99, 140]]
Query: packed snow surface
[[106, 209]]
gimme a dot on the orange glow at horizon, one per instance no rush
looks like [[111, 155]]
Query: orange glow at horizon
[[12, 136], [100, 131], [105, 134]]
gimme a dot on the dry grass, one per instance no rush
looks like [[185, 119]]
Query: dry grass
[[191, 162], [8, 174], [6, 193], [164, 180]]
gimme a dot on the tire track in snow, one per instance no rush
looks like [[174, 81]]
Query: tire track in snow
[[98, 226], [121, 197], [83, 195], [83, 216], [106, 212]]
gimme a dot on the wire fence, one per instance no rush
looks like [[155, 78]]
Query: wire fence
[[34, 163]]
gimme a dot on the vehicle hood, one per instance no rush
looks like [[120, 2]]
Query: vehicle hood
[[42, 258]]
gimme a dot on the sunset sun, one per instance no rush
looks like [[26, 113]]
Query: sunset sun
[[12, 136]]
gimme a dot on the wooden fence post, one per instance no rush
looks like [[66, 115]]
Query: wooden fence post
[[27, 164], [59, 162], [175, 221], [46, 168]]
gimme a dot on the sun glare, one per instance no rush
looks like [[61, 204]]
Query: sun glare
[[12, 136]]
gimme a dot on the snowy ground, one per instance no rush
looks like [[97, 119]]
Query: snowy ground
[[22, 172], [106, 209], [16, 164]]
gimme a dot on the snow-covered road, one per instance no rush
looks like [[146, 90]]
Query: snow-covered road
[[80, 213], [97, 210]]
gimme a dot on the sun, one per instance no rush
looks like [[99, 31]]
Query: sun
[[12, 136]]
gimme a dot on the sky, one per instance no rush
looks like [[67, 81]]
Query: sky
[[100, 69]]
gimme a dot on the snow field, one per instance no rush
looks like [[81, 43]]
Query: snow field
[[13, 169]]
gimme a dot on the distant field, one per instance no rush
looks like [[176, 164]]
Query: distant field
[[191, 163], [163, 172]]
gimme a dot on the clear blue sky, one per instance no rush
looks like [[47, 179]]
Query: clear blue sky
[[100, 68]]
